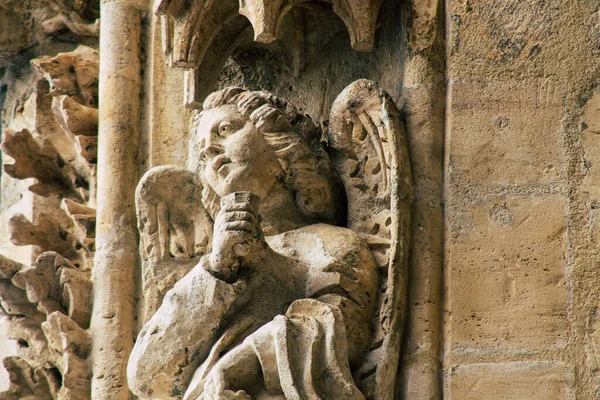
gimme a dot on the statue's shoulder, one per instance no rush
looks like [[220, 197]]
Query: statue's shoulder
[[336, 261], [334, 235], [323, 242]]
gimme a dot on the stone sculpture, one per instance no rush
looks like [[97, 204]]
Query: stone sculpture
[[289, 260]]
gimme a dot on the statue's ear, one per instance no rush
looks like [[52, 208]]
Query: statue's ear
[[370, 153], [175, 229]]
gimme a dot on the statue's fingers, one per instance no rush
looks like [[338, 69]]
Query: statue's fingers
[[210, 392], [214, 386], [242, 206], [150, 241], [240, 216], [242, 395], [231, 395], [242, 226]]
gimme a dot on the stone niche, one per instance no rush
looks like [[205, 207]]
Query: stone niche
[[310, 54]]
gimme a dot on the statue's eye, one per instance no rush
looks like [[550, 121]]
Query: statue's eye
[[225, 129]]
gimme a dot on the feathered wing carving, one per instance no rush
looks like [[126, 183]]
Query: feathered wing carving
[[175, 229], [369, 150]]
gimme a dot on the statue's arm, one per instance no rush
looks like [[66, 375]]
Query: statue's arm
[[238, 240], [180, 334], [335, 320]]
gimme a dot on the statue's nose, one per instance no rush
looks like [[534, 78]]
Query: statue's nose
[[213, 150], [210, 147]]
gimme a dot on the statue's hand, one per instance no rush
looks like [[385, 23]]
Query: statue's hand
[[238, 369], [214, 389], [238, 238]]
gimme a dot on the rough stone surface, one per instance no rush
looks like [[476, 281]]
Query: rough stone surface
[[512, 381], [520, 244], [494, 145], [501, 104], [521, 190]]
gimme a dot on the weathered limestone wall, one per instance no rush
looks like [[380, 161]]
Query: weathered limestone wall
[[521, 282], [165, 132]]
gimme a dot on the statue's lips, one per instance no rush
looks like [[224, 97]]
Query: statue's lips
[[219, 162]]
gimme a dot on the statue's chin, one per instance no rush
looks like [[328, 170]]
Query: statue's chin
[[246, 176], [228, 187], [233, 179]]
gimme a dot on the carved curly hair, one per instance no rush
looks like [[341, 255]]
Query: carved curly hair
[[295, 141]]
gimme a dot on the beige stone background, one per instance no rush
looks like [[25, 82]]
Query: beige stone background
[[514, 116], [522, 282]]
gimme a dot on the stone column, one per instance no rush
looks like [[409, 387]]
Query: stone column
[[116, 259], [425, 93]]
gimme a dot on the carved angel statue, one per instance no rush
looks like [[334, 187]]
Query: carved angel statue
[[289, 256]]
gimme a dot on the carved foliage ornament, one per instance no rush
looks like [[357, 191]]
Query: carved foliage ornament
[[281, 290], [48, 304]]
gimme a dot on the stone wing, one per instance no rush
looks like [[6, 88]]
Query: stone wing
[[175, 230], [369, 150]]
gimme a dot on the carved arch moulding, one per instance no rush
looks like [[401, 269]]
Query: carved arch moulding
[[200, 35]]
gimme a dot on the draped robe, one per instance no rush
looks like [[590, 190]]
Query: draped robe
[[305, 312]]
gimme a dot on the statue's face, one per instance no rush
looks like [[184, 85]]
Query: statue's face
[[236, 155]]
